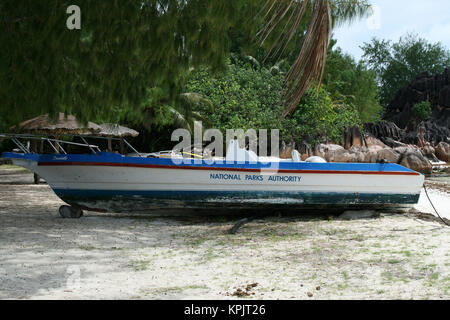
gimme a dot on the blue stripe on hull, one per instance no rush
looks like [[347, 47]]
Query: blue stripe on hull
[[126, 201], [105, 157]]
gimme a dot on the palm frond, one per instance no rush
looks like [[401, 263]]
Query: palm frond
[[179, 119], [347, 11], [310, 63], [190, 109], [196, 100]]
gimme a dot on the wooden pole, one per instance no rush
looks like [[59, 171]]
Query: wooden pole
[[122, 147], [34, 149]]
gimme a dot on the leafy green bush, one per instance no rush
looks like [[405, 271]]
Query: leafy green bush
[[319, 119], [251, 98], [422, 110], [243, 97]]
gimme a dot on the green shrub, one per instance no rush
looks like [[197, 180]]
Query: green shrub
[[243, 97], [422, 110], [319, 118], [248, 98]]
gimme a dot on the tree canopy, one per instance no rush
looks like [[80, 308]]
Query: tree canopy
[[126, 52], [246, 96], [353, 83], [397, 64], [321, 16], [123, 49]]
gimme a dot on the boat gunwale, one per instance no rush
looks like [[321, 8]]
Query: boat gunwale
[[116, 160], [187, 167]]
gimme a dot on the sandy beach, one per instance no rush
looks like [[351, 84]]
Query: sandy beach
[[117, 256]]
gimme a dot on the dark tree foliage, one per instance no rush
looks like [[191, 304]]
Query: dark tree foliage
[[130, 57], [123, 50], [397, 64]]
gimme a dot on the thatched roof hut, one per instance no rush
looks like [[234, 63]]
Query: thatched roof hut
[[69, 125], [61, 126], [111, 130], [115, 130]]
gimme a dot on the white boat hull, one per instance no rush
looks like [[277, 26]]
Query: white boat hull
[[142, 186]]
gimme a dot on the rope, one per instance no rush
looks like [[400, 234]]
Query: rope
[[426, 192], [193, 154]]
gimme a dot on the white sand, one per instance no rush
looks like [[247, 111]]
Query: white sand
[[440, 200]]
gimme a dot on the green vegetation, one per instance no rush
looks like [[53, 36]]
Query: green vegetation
[[353, 83], [161, 64], [249, 96], [129, 61], [123, 52], [397, 64], [244, 96], [141, 265], [319, 118], [422, 110]]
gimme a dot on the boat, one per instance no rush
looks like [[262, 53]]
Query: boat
[[110, 182]]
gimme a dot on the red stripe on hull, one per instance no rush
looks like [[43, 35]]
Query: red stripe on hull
[[106, 164]]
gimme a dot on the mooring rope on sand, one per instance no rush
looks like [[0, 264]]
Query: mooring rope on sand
[[426, 192]]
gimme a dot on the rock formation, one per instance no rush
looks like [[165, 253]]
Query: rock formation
[[401, 138], [442, 151], [367, 148], [426, 87]]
